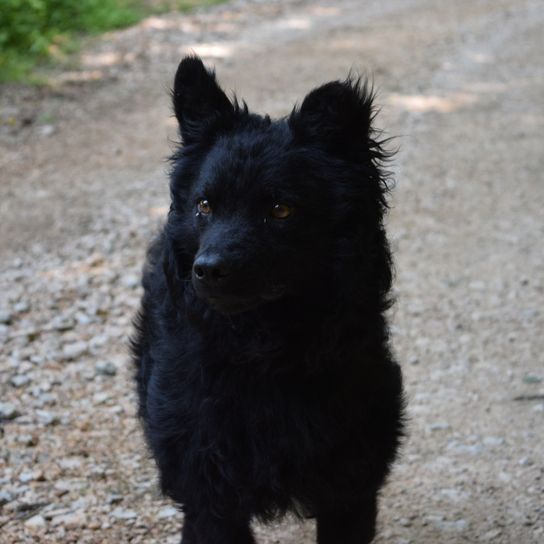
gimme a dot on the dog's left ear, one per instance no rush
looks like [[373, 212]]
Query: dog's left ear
[[336, 116], [199, 102]]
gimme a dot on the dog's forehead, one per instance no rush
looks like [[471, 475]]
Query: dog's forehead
[[246, 161]]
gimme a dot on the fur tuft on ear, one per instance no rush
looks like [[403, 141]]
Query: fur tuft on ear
[[198, 100], [337, 116]]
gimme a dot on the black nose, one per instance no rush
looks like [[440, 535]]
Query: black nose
[[210, 269]]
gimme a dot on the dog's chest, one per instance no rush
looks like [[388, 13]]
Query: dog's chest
[[267, 433]]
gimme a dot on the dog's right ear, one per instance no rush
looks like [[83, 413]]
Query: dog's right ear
[[198, 100]]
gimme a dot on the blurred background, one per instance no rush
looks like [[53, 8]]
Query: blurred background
[[85, 130]]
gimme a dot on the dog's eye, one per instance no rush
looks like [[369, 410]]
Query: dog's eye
[[281, 211], [204, 207]]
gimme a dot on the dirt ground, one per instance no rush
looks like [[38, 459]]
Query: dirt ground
[[83, 186]]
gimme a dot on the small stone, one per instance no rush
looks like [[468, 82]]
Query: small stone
[[167, 512], [22, 307], [46, 130], [27, 440], [8, 411], [106, 368], [99, 340], [101, 397], [492, 535], [450, 526], [493, 441], [47, 418], [5, 317], [413, 361], [532, 379], [63, 323], [61, 488], [471, 449], [79, 504], [5, 497], [35, 523], [47, 399], [131, 281], [74, 350], [31, 476], [74, 520], [525, 462], [455, 495], [121, 513], [69, 463], [83, 318], [439, 426], [20, 380], [114, 498]]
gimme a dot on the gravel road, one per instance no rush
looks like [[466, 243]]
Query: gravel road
[[83, 187]]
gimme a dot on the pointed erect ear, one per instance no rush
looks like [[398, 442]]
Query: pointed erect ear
[[198, 100], [336, 116]]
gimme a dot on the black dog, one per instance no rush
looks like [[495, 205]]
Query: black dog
[[265, 380]]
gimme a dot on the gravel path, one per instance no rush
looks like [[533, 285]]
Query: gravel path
[[83, 187]]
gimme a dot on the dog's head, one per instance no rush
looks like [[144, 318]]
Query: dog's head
[[268, 210]]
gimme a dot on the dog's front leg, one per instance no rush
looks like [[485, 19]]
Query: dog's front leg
[[355, 524], [207, 528]]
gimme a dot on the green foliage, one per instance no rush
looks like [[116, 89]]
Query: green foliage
[[30, 30]]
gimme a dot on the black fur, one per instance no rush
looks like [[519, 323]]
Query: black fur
[[268, 385]]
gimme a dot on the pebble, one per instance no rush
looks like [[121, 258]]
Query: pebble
[[8, 411], [5, 317], [121, 513], [525, 462], [69, 463], [471, 449], [74, 350], [130, 281], [455, 495], [167, 512], [106, 368], [74, 520], [493, 441], [22, 307], [459, 525], [83, 318], [47, 418], [114, 498], [27, 440], [439, 426], [31, 476], [5, 497], [532, 379], [46, 130], [99, 340], [35, 522], [46, 399], [20, 380], [492, 535], [101, 397], [63, 323]]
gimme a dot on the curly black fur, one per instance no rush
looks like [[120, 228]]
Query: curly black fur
[[268, 385]]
